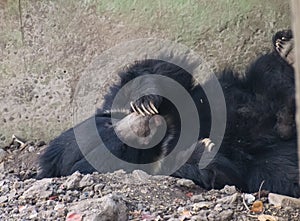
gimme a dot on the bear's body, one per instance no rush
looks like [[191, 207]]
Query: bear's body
[[259, 144]]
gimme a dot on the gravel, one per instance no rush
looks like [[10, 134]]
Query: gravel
[[122, 196]]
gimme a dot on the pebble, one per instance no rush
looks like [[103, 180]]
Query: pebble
[[31, 149], [3, 154], [59, 206], [226, 215], [249, 198], [197, 198], [39, 189], [15, 210], [4, 188], [218, 207], [202, 205], [140, 176], [99, 187], [185, 183], [285, 201], [73, 181], [17, 185], [199, 218], [3, 199], [228, 190], [228, 199], [87, 180], [33, 215]]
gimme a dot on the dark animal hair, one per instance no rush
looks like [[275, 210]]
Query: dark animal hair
[[259, 144]]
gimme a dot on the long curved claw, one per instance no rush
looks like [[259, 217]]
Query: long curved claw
[[285, 50], [209, 145], [278, 45], [140, 111], [132, 107], [150, 110], [145, 110], [153, 107]]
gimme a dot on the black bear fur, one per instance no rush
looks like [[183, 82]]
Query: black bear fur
[[259, 144]]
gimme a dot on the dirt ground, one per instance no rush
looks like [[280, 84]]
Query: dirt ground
[[46, 47]]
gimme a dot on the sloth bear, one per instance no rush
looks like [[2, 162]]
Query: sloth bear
[[259, 143]]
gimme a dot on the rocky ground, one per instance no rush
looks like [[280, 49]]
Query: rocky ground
[[121, 196], [52, 42]]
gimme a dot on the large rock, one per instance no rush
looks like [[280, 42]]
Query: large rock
[[109, 207]]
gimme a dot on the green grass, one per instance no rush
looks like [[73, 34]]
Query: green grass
[[182, 20], [13, 7], [10, 28]]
